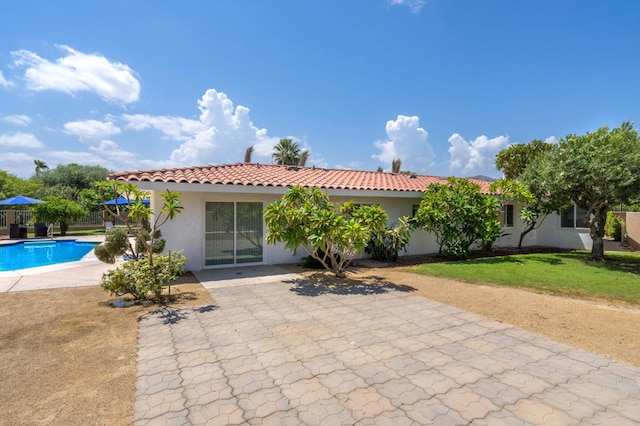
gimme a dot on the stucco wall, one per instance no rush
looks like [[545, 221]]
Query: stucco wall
[[633, 229], [186, 232]]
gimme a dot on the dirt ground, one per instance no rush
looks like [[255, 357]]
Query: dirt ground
[[67, 357]]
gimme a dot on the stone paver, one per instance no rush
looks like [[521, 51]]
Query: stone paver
[[284, 351]]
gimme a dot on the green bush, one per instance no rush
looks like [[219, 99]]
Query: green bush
[[613, 228], [116, 243], [142, 280], [385, 245]]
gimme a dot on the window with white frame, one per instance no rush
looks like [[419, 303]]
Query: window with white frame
[[507, 216], [574, 217]]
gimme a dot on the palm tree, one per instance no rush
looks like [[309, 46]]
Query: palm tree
[[379, 169], [303, 158], [40, 166], [395, 165], [247, 154], [286, 152]]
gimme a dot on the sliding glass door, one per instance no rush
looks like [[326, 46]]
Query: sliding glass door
[[233, 233]]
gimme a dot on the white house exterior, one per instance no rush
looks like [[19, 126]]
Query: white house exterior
[[222, 224]]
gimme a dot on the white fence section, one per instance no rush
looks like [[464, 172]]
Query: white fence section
[[25, 217]]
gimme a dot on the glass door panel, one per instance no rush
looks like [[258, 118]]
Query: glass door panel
[[248, 232], [219, 245]]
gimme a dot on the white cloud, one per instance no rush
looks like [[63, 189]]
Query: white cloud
[[16, 163], [408, 142], [91, 129], [18, 119], [177, 128], [107, 154], [4, 82], [20, 139], [78, 71], [414, 5], [221, 135], [475, 157], [552, 140]]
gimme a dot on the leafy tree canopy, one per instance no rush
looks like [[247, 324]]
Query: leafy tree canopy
[[11, 185], [596, 171], [525, 188], [459, 215], [74, 176], [58, 210], [333, 235], [515, 159]]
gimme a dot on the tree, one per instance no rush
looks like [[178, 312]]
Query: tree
[[596, 171], [11, 185], [286, 152], [514, 160], [58, 210], [247, 154], [91, 199], [332, 235], [74, 176], [525, 188], [459, 215], [396, 164], [138, 215], [40, 166], [147, 269], [63, 191], [303, 158]]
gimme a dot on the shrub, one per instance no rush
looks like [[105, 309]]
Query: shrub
[[385, 245], [613, 227], [116, 243], [144, 280]]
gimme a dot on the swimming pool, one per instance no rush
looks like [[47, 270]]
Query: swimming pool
[[28, 254]]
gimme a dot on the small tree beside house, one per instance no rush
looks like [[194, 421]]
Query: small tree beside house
[[459, 215], [147, 270], [333, 235]]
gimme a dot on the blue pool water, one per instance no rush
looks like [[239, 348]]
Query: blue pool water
[[40, 253]]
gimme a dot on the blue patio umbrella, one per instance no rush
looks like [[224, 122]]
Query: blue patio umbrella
[[121, 201], [19, 200]]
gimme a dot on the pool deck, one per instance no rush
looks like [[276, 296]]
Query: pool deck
[[87, 271]]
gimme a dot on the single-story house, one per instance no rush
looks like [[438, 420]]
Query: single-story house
[[222, 222]]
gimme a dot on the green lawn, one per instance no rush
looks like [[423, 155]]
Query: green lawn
[[569, 273]]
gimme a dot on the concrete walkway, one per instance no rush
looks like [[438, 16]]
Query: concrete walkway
[[281, 350]]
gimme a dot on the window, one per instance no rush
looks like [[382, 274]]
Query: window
[[507, 216], [574, 217], [414, 209]]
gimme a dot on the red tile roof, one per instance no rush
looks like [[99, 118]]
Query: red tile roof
[[252, 174]]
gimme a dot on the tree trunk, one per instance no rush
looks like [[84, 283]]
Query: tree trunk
[[524, 234], [597, 250], [596, 228]]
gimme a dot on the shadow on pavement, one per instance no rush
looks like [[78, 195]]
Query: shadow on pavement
[[345, 287]]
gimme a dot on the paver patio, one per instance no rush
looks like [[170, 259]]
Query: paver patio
[[281, 350]]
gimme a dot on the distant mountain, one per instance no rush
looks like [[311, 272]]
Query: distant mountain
[[483, 178]]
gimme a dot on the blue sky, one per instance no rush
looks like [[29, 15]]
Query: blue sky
[[441, 84]]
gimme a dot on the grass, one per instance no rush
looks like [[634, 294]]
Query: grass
[[569, 273]]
